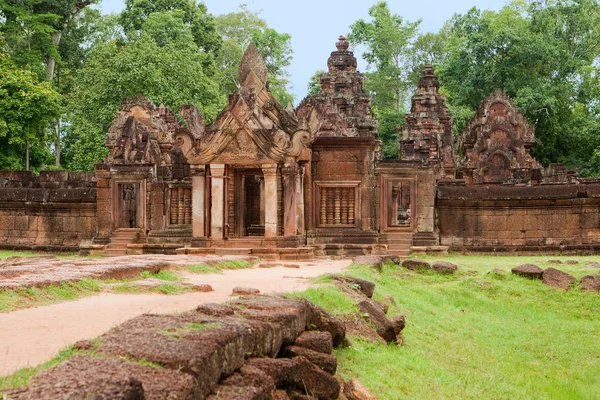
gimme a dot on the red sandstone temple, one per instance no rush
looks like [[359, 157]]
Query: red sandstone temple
[[285, 183]]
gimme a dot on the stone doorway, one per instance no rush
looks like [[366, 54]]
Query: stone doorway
[[400, 210], [127, 205], [250, 203]]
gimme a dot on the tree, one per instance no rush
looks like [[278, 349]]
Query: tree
[[240, 28], [26, 108], [172, 74], [543, 54], [387, 39], [314, 84]]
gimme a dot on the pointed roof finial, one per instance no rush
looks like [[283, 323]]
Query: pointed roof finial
[[252, 61], [342, 44]]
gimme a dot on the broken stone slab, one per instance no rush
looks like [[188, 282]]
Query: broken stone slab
[[418, 250], [244, 291], [444, 267], [530, 271], [296, 266], [326, 362], [85, 377], [557, 279], [299, 373], [554, 262], [355, 390], [415, 264], [437, 250], [269, 265], [571, 262], [399, 323], [365, 287], [315, 340], [320, 320], [248, 383], [590, 283], [377, 317]]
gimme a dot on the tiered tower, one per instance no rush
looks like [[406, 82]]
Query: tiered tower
[[427, 134]]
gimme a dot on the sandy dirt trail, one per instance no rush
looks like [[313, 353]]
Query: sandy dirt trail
[[30, 337]]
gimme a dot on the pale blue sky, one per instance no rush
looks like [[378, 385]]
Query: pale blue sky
[[315, 25]]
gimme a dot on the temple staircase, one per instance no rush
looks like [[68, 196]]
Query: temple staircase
[[398, 243], [119, 241]]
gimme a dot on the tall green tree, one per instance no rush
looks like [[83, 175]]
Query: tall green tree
[[387, 40], [544, 54], [27, 106], [240, 28]]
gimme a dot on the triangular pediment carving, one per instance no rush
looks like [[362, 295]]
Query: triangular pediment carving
[[252, 128]]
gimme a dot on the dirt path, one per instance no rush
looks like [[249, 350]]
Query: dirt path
[[30, 337]]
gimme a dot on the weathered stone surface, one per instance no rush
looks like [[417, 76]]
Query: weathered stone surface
[[389, 300], [279, 395], [248, 383], [590, 283], [301, 373], [241, 291], [84, 377], [320, 320], [444, 267], [558, 279], [571, 262], [326, 362], [399, 323], [296, 266], [355, 390], [315, 340], [365, 287], [269, 265], [374, 261], [531, 271], [554, 262], [416, 264], [377, 317]]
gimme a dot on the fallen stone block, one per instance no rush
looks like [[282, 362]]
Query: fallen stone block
[[557, 279], [301, 373], [554, 262], [243, 291], [530, 271], [321, 320], [269, 265], [326, 362], [399, 323], [377, 317], [365, 287], [354, 390], [373, 261], [249, 383], [315, 340], [571, 262], [444, 267], [296, 266], [590, 283], [416, 265]]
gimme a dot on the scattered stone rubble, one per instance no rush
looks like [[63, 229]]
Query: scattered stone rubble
[[43, 271], [255, 347], [559, 279]]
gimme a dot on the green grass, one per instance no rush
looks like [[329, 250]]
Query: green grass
[[178, 334], [22, 376], [476, 335], [163, 275], [9, 253], [218, 267], [13, 299]]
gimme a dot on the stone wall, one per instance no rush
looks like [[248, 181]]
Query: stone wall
[[53, 211], [549, 218]]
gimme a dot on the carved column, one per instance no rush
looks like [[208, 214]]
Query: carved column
[[217, 184], [198, 201], [300, 200], [270, 173], [290, 223]]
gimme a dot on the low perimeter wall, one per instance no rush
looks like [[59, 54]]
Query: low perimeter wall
[[53, 211], [548, 218]]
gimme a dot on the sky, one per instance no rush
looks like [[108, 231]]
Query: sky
[[316, 24]]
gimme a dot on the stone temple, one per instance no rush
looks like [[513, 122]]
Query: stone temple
[[285, 183]]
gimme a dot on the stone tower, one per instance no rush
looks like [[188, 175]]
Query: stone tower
[[427, 134]]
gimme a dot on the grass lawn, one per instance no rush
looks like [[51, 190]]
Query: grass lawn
[[476, 335]]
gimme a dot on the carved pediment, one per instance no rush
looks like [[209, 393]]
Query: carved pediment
[[253, 127]]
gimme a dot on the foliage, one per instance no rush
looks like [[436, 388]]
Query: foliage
[[26, 108], [172, 74], [387, 39], [314, 84], [544, 55], [240, 28], [477, 334]]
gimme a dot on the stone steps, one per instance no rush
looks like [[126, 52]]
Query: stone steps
[[119, 241], [399, 243]]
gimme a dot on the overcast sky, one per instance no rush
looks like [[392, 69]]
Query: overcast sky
[[316, 24]]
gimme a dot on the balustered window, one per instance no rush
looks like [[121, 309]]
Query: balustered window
[[181, 206], [338, 204]]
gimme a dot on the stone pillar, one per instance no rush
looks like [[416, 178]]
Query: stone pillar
[[290, 223], [300, 200], [217, 179], [270, 173], [104, 202], [198, 217]]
